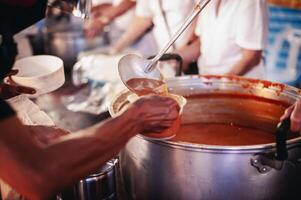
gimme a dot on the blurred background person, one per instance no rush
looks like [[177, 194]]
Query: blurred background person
[[230, 36], [115, 16], [165, 15], [105, 12]]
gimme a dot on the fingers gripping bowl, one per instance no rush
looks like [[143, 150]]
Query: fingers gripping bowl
[[172, 130], [44, 73], [166, 134]]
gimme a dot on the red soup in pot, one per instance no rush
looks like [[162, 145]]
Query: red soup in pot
[[230, 119]]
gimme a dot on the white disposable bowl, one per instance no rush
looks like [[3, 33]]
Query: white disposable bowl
[[44, 73]]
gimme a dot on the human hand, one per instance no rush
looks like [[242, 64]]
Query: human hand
[[95, 25], [46, 134], [294, 112], [11, 89], [154, 113]]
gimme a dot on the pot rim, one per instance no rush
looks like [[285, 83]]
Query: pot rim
[[294, 92], [220, 148]]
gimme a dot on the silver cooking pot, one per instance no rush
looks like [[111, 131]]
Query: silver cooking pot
[[179, 170], [101, 185]]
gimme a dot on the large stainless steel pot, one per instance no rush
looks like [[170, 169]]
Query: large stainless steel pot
[[178, 170], [100, 185]]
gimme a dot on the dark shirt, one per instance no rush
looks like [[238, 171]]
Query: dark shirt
[[5, 110]]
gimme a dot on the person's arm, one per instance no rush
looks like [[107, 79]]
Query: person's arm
[[294, 112], [190, 35], [104, 15], [190, 52], [249, 60], [118, 10], [251, 34], [39, 171], [97, 10], [137, 27]]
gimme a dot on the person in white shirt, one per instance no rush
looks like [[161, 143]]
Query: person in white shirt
[[165, 15], [117, 15], [231, 37], [107, 11]]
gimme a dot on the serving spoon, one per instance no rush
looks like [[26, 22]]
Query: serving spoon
[[134, 66]]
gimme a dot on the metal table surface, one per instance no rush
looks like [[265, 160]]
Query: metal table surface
[[73, 121]]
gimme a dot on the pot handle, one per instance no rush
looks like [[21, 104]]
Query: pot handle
[[264, 162], [281, 133]]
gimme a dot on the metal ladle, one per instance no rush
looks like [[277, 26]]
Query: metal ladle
[[133, 66]]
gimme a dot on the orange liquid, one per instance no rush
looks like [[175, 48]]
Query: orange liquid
[[167, 133], [224, 134], [209, 119], [144, 86]]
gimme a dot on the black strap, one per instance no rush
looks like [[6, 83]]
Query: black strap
[[5, 110], [283, 129]]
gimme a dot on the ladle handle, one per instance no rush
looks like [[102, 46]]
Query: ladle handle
[[281, 134], [197, 9]]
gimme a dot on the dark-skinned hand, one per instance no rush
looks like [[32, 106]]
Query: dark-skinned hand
[[155, 113], [294, 112], [10, 89]]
